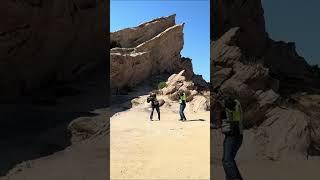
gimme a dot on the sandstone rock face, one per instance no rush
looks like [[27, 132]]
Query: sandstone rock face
[[200, 103], [83, 128], [132, 37], [150, 49], [247, 14], [282, 135], [267, 77], [245, 17], [43, 42], [233, 73], [296, 76], [196, 98], [310, 104], [127, 70], [176, 83], [267, 97]]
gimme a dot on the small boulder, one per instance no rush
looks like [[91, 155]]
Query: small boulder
[[161, 102]]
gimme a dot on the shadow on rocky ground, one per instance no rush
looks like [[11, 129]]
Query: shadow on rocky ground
[[121, 100], [38, 126]]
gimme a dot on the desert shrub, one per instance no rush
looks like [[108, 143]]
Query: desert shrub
[[135, 102], [159, 92], [162, 85]]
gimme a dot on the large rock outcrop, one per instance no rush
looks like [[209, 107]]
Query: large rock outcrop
[[255, 44], [150, 49], [291, 69], [247, 14], [132, 37], [45, 42], [197, 99], [268, 77]]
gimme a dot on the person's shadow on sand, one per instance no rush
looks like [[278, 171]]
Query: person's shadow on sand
[[191, 120]]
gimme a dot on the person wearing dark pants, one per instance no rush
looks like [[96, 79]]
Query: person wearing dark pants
[[231, 146], [158, 111], [154, 104], [229, 117], [182, 101], [181, 112]]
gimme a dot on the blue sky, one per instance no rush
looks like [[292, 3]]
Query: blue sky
[[194, 13], [295, 21]]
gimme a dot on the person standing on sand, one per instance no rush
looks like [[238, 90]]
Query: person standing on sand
[[229, 117], [182, 102], [154, 104]]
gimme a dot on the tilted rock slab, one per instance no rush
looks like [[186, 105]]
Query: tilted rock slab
[[154, 52]]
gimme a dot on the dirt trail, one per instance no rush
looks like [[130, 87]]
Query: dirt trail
[[166, 149]]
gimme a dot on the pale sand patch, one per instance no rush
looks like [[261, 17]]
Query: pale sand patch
[[166, 149]]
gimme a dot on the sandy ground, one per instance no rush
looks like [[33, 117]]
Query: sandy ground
[[266, 170], [166, 149], [86, 160], [81, 162], [253, 168]]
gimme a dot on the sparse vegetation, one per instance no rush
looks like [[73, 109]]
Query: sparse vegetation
[[135, 102], [162, 85]]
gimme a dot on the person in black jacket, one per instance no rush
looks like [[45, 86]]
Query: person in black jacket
[[155, 104], [228, 116]]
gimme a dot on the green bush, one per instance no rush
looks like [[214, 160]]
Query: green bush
[[162, 85], [135, 102]]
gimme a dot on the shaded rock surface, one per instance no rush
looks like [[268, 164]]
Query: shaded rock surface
[[52, 71], [275, 85], [43, 43], [59, 132]]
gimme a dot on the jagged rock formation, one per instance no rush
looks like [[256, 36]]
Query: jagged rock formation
[[256, 45], [197, 100], [150, 49], [176, 83], [45, 42], [247, 14], [268, 77], [132, 37]]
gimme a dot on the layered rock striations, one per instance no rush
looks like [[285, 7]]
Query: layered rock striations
[[275, 85], [150, 49]]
